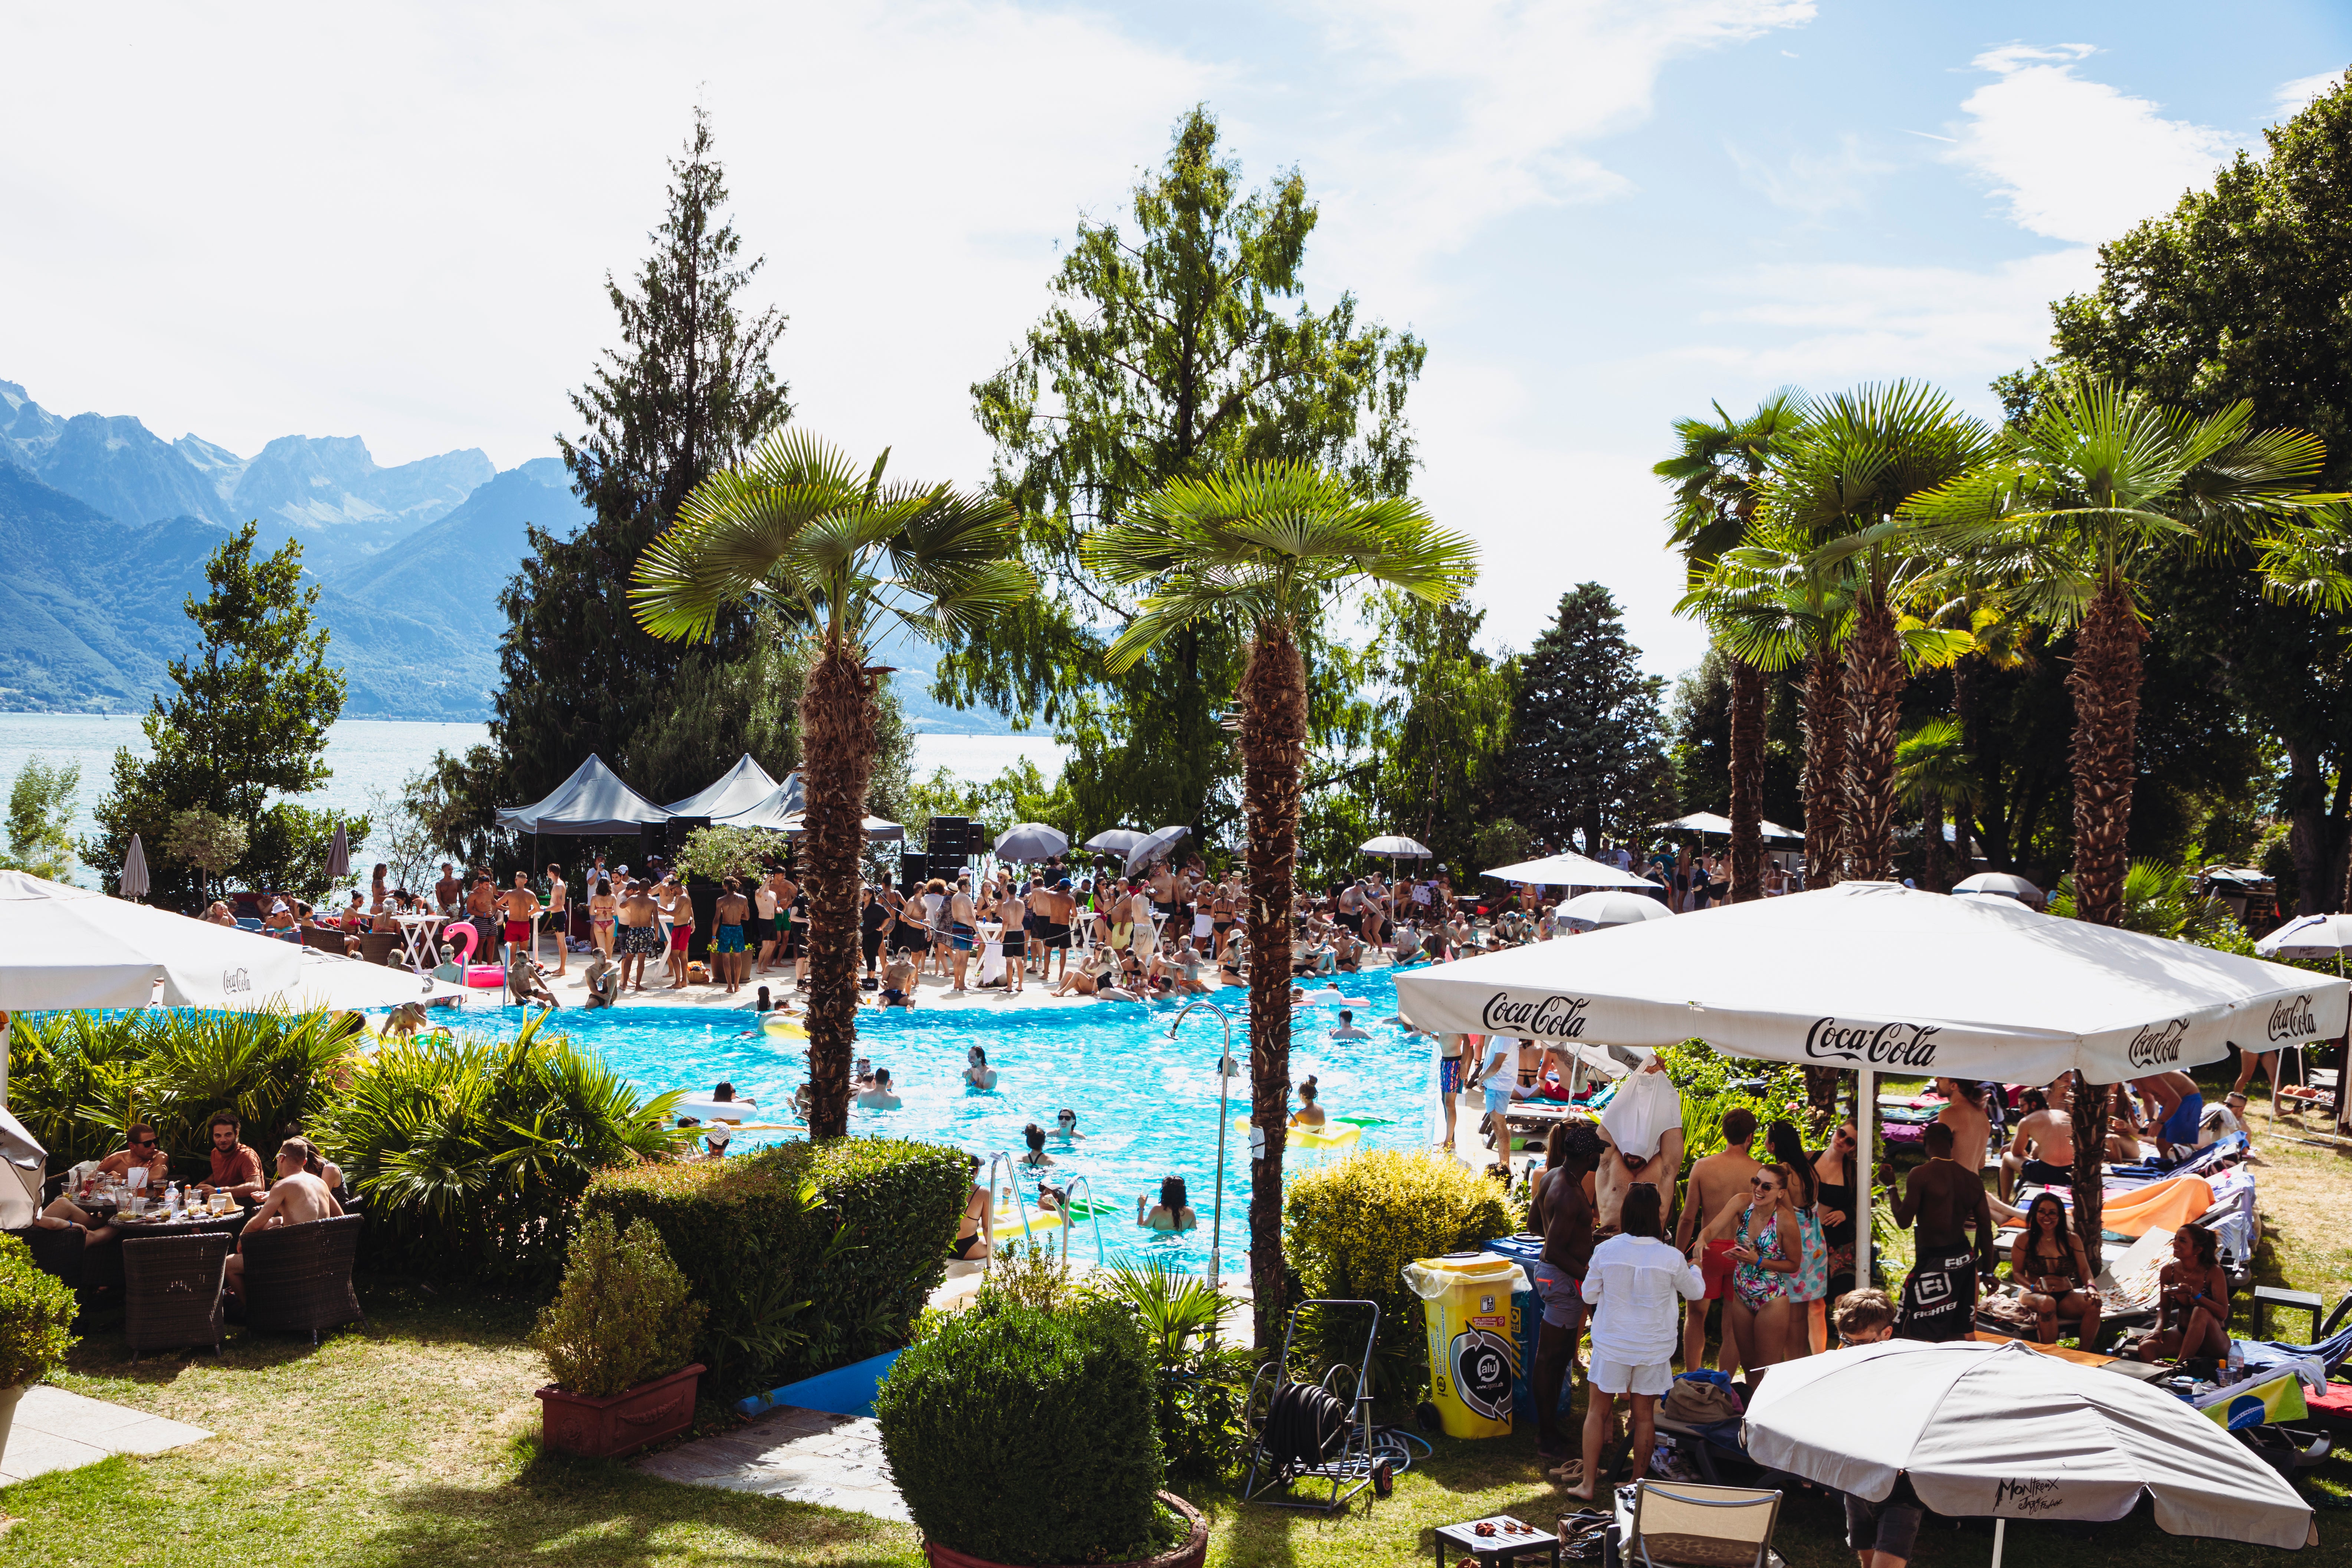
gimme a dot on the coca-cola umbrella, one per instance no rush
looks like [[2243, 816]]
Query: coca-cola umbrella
[[1876, 977]]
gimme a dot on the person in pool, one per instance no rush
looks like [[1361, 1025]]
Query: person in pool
[[881, 1094], [1348, 1029], [979, 1074], [1309, 1113], [1036, 1158], [1065, 1125], [1172, 1213]]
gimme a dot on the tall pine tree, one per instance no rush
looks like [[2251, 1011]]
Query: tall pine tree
[[1587, 750], [689, 392]]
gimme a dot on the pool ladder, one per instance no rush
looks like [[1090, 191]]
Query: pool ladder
[[1013, 1185]]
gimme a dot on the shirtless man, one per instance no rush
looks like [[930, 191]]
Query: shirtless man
[[764, 910], [963, 923], [640, 938], [1560, 1278], [519, 908], [1061, 920], [482, 910], [1964, 1113], [448, 889], [2181, 1108], [2044, 1150], [1013, 912], [678, 910], [1643, 1130], [1716, 1182], [1939, 1297], [143, 1165], [727, 954], [297, 1197]]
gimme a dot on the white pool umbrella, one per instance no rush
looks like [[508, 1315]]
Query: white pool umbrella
[[1589, 911], [1031, 841], [134, 884], [1720, 826], [1153, 845], [2005, 1432], [339, 854], [2001, 884], [65, 947], [2309, 936], [1568, 869], [1115, 840], [1397, 846]]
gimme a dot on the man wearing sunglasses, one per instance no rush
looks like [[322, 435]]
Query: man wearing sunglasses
[[143, 1167]]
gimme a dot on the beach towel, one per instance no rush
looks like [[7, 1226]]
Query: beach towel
[[2258, 1400], [1645, 1108], [2167, 1204]]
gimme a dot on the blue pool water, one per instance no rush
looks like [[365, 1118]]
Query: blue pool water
[[1147, 1108]]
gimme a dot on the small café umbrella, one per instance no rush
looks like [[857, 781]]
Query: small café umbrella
[[134, 870], [1568, 869], [1031, 841], [2310, 936], [1590, 911], [338, 856], [2000, 884], [1115, 840], [2006, 1432], [1397, 846], [1153, 845], [1720, 825]]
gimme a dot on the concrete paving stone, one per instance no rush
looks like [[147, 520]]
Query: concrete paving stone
[[34, 1454], [56, 1430], [154, 1434]]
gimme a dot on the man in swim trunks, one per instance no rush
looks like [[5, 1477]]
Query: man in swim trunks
[[898, 980], [1940, 1295], [448, 889], [728, 959], [520, 906], [638, 937], [1014, 940], [2183, 1108], [1716, 1182], [482, 913], [962, 923], [2042, 1152], [1559, 1278], [678, 910]]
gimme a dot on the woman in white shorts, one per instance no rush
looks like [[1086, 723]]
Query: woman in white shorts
[[1635, 1285]]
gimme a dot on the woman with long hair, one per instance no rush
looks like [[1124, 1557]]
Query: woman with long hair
[[2049, 1265], [1767, 1251], [1836, 1205], [1808, 1288]]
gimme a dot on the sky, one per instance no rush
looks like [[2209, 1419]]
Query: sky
[[396, 221]]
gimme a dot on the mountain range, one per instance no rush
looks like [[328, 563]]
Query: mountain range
[[104, 527]]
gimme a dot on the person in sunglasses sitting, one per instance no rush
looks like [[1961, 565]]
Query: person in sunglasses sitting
[[143, 1168]]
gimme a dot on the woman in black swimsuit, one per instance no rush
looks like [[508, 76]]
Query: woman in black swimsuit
[[2047, 1262], [1833, 1178]]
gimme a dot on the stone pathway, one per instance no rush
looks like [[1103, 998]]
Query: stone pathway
[[56, 1430], [801, 1456]]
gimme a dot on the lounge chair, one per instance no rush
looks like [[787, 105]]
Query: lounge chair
[[1682, 1524], [171, 1291], [298, 1278]]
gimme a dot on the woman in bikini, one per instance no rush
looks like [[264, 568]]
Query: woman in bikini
[[2048, 1264], [1220, 919], [1308, 1114], [1767, 1250], [975, 1235], [2193, 1302], [602, 906]]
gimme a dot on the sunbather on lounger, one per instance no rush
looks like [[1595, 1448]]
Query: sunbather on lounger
[[2048, 1263], [2193, 1303]]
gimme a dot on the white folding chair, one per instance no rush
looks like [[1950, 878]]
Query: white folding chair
[[1685, 1524]]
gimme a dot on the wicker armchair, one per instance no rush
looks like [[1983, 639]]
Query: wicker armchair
[[171, 1291], [298, 1278], [55, 1252], [378, 946]]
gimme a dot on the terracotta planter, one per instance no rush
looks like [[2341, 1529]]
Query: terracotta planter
[[1190, 1554], [624, 1423]]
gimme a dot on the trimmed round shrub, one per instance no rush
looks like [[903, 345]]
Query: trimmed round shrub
[[623, 1315], [1027, 1437], [37, 1314], [1350, 1227]]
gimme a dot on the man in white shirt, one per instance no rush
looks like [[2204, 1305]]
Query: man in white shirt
[[1635, 1285]]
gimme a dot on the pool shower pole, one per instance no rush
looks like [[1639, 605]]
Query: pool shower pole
[[1224, 1084]]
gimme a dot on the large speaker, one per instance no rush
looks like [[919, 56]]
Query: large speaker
[[913, 869], [950, 838]]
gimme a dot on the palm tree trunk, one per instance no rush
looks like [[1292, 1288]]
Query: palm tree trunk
[[1747, 782], [1931, 855], [2089, 1112], [837, 723], [1825, 770], [1874, 707], [2104, 684], [1273, 747]]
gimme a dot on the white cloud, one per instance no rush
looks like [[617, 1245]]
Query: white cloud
[[2294, 96], [1812, 184], [2074, 159]]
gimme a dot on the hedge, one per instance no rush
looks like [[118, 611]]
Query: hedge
[[808, 1257], [1350, 1228]]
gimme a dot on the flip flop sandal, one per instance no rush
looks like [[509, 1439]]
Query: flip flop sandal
[[1570, 1473]]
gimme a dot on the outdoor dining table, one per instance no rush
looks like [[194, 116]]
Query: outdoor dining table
[[102, 1266], [418, 932]]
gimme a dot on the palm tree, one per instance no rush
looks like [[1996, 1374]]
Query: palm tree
[[837, 552], [2098, 484], [1933, 773], [1265, 544], [1718, 477], [1857, 458]]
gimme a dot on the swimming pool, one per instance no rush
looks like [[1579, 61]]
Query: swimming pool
[[1147, 1108]]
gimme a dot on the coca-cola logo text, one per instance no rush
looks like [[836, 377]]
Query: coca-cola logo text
[[1880, 1044], [2157, 1044], [2292, 1020], [1545, 1018]]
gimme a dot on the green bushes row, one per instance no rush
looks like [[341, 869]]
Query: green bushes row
[[1708, 1081], [807, 1256]]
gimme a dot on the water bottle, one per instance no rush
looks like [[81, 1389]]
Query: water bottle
[[2237, 1361]]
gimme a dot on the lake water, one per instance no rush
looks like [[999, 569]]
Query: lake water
[[377, 755]]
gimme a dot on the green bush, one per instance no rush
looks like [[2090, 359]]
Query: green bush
[[1705, 1080], [623, 1316], [37, 1314], [472, 1155], [1199, 1388], [1350, 1227], [1027, 1437], [808, 1257]]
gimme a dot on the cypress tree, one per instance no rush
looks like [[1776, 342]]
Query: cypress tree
[[1586, 748]]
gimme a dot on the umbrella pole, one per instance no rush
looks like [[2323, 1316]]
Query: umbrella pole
[[2000, 1537], [1865, 1154]]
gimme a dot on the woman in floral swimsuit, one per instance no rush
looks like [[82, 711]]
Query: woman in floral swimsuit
[[1767, 1250]]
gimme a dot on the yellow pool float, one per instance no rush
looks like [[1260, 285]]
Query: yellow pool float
[[1331, 1135], [785, 1029], [1009, 1225]]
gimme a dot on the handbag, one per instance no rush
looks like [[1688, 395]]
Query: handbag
[[1702, 1399]]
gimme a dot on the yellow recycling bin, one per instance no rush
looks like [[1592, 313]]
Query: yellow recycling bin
[[1473, 1357]]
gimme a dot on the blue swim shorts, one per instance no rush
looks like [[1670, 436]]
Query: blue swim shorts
[[728, 938]]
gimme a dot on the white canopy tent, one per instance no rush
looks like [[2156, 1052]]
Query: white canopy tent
[[1568, 869], [63, 948], [740, 788], [2005, 1432], [1873, 976]]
